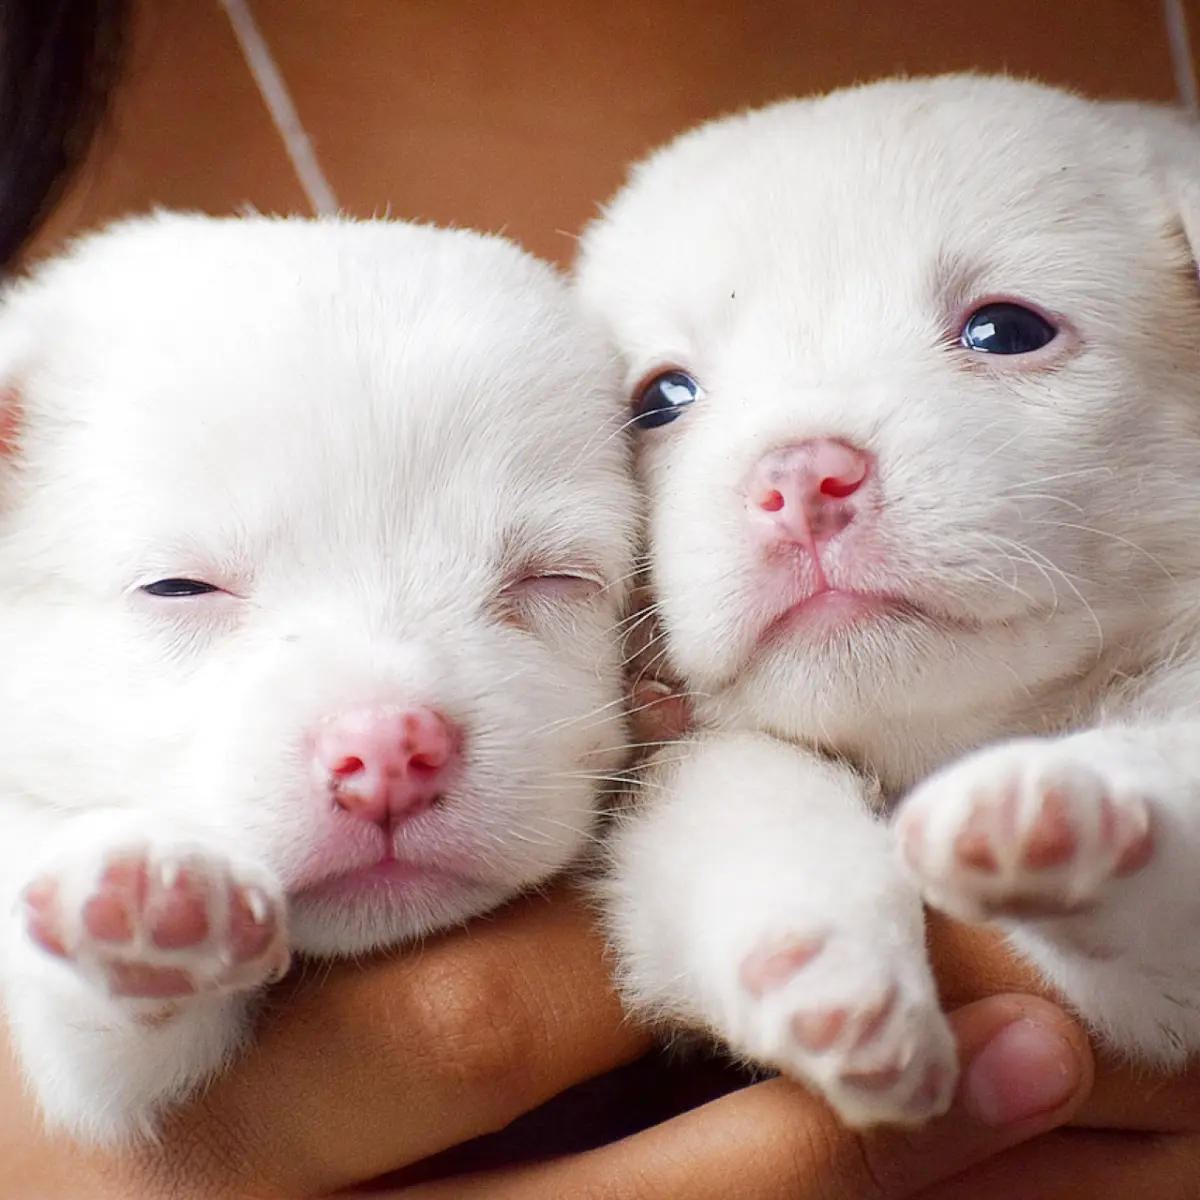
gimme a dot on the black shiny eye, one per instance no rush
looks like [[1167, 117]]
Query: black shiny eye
[[664, 398], [172, 588], [1005, 328]]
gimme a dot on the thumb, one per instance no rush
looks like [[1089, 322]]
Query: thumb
[[1026, 1068]]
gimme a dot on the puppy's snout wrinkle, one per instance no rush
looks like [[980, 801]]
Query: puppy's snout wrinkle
[[386, 765], [801, 493]]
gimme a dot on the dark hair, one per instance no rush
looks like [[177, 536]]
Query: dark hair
[[60, 61]]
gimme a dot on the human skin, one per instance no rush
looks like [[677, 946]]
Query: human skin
[[360, 1071]]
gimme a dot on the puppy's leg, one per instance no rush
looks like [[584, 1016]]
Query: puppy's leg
[[130, 953], [1087, 848], [756, 896]]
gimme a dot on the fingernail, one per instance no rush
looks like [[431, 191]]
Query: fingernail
[[1025, 1070]]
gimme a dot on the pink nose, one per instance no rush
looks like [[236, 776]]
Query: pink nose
[[801, 492], [385, 765]]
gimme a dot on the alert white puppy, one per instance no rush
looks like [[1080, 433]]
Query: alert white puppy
[[917, 371], [312, 546]]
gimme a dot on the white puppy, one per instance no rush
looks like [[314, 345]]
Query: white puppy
[[917, 370], [312, 546]]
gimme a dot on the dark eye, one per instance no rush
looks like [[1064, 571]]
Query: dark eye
[[1006, 329], [664, 398], [173, 588]]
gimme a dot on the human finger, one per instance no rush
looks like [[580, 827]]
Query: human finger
[[363, 1071], [975, 961], [1083, 1164], [1026, 1068]]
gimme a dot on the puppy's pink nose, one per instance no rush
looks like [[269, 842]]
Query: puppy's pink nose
[[800, 492], [385, 765]]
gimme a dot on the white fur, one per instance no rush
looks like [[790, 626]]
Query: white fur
[[383, 438], [810, 264]]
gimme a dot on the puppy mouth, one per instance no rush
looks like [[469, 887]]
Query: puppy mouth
[[349, 861], [831, 612], [386, 877]]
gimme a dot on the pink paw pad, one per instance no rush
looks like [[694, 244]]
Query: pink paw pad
[[1128, 829], [767, 970], [45, 921], [991, 839], [1052, 840], [162, 930], [935, 1084], [821, 1031], [991, 835], [142, 981], [853, 1015], [1021, 842], [118, 909]]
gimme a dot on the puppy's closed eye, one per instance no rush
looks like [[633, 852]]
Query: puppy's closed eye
[[175, 589], [537, 597], [187, 611]]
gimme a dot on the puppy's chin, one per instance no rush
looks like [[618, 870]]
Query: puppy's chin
[[835, 640], [832, 661], [893, 686], [354, 916]]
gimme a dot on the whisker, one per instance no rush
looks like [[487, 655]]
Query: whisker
[[1035, 557], [629, 625], [589, 448], [1002, 447], [1113, 537], [603, 711], [1055, 478], [1047, 496], [612, 583], [979, 433]]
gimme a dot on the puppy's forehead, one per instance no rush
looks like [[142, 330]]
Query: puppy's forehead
[[353, 397], [873, 202], [368, 396]]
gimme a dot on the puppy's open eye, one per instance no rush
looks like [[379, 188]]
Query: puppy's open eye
[[663, 398], [1006, 328], [178, 588]]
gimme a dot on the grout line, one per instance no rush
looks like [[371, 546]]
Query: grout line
[[275, 95], [1182, 62]]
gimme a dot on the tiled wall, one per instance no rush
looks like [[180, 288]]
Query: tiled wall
[[519, 115]]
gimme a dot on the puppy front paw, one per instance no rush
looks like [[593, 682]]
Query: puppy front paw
[[1037, 827], [852, 1015], [160, 922]]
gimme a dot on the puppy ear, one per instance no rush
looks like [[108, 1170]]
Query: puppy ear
[[1174, 140], [1179, 147]]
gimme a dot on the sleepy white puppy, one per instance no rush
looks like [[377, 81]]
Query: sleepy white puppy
[[917, 371], [312, 546]]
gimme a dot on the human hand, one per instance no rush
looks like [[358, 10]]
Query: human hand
[[362, 1072], [1026, 1069], [357, 1072], [1133, 1135], [1138, 1133]]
